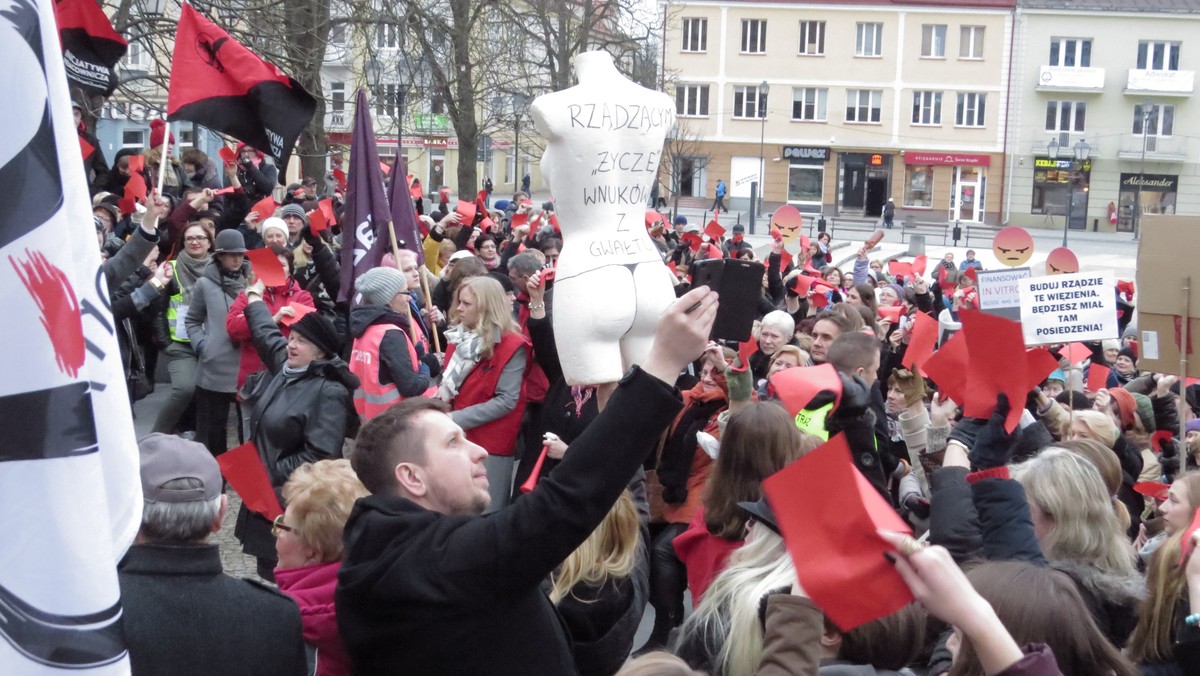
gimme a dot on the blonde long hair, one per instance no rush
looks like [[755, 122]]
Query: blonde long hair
[[611, 551], [495, 319], [1151, 640], [1069, 488], [729, 612]]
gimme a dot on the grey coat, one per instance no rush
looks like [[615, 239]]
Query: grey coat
[[219, 356]]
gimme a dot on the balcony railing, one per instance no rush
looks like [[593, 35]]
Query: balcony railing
[[1158, 148], [1070, 79], [1161, 82]]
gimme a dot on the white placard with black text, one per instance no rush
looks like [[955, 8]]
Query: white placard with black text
[[1068, 308]]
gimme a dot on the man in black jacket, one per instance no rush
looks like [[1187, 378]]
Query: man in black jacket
[[430, 586], [182, 614]]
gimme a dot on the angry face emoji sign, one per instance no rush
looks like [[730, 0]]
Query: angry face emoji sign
[[1013, 246]]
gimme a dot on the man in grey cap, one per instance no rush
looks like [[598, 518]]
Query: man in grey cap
[[181, 613], [294, 215]]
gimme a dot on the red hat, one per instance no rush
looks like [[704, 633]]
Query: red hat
[[1126, 405], [157, 129]]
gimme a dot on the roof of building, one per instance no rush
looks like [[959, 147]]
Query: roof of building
[[1148, 6], [987, 4]]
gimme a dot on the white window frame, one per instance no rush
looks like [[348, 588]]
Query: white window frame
[[127, 143], [1156, 121], [971, 43], [1070, 49], [694, 97], [1072, 111], [1145, 61], [337, 34], [868, 40], [873, 105], [815, 99], [136, 56], [933, 41], [695, 35], [754, 36], [745, 97], [927, 108], [971, 111], [387, 37], [386, 98], [812, 34]]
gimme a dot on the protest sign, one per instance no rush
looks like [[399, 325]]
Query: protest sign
[[1068, 308], [1167, 253], [999, 291]]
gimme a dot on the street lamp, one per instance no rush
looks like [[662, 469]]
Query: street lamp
[[373, 70], [1081, 151], [519, 101], [1148, 110], [762, 113]]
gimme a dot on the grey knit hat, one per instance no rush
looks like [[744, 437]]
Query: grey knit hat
[[379, 286], [294, 209]]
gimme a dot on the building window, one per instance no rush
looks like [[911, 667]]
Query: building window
[[754, 36], [1160, 123], [812, 38], [927, 108], [971, 43], [970, 109], [510, 162], [933, 41], [695, 35], [1065, 116], [748, 103], [133, 138], [809, 103], [387, 100], [1155, 55], [1071, 52], [691, 100], [863, 105], [135, 56], [337, 35], [187, 136], [868, 40], [387, 36], [918, 186], [805, 184]]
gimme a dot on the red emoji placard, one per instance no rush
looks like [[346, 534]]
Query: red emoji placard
[[1061, 261], [1012, 246]]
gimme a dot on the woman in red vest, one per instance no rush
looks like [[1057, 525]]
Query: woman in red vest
[[484, 377]]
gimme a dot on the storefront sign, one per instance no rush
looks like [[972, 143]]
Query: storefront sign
[[806, 154], [948, 158], [1068, 308], [1071, 77], [1159, 182], [875, 160]]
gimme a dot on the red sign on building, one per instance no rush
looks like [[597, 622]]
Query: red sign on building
[[948, 158]]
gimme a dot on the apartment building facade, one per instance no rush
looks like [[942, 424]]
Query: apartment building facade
[[838, 106], [1119, 79]]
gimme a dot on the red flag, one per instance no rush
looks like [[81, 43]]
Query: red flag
[[824, 504], [218, 83], [86, 148], [91, 48], [244, 471]]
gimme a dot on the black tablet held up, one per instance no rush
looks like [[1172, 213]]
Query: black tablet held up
[[738, 283]]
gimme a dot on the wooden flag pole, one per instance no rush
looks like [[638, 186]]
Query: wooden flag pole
[[1183, 360], [396, 261], [437, 344]]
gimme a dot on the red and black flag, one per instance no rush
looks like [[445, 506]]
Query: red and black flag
[[91, 48], [218, 83]]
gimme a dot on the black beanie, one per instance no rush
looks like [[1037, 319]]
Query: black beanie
[[320, 332], [1126, 352]]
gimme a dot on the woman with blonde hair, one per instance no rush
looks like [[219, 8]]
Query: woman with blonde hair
[[1100, 427], [1167, 634], [308, 540], [483, 380], [1110, 471], [601, 590], [1079, 534]]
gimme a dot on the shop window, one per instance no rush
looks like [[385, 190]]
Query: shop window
[[805, 184], [918, 186]]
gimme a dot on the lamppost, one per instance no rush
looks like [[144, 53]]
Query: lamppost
[[1148, 110], [519, 101], [374, 71], [1081, 152], [762, 113]]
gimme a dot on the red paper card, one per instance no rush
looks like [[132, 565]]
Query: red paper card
[[1039, 363], [653, 217], [1126, 288], [466, 211], [829, 515], [135, 187], [414, 191], [264, 208], [972, 275], [714, 230], [267, 267], [891, 314], [1097, 377], [745, 351], [385, 168], [301, 310], [244, 471], [137, 164], [554, 222], [326, 207], [316, 220], [785, 259], [921, 342], [127, 205], [1187, 539], [86, 148], [519, 219], [797, 387], [918, 265], [225, 191], [900, 269], [487, 224], [1076, 353], [948, 367], [996, 363], [1152, 489], [227, 155], [693, 240], [339, 177], [444, 194], [1160, 439]]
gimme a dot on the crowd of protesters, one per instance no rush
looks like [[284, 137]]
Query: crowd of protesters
[[453, 505]]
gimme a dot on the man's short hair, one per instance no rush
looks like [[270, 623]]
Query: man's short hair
[[852, 351], [550, 243], [389, 439], [845, 318], [780, 320], [525, 263], [180, 522]]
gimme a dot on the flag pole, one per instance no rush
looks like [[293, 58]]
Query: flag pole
[[396, 261], [162, 162], [437, 345]]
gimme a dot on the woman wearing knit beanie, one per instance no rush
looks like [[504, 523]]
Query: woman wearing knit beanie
[[1124, 369]]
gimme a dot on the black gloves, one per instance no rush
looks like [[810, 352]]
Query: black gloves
[[855, 404], [310, 238], [993, 445], [435, 367]]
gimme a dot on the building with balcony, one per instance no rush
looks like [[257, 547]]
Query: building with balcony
[[1118, 77], [837, 106]]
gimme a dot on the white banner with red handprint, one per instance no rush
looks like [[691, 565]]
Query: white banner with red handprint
[[70, 498]]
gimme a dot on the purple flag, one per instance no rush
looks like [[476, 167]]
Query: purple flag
[[365, 223], [404, 214]]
